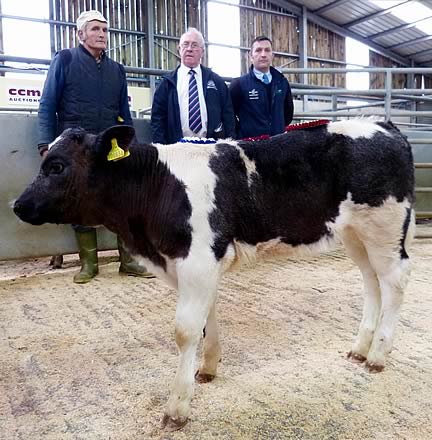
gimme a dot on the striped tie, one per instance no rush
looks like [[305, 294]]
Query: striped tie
[[194, 106]]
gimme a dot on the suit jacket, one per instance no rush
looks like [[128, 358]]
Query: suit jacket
[[165, 118]]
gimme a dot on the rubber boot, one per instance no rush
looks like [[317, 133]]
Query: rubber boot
[[128, 266], [87, 245]]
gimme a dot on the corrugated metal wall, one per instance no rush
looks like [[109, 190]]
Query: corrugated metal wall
[[273, 22], [130, 21], [327, 45], [132, 44], [128, 27], [377, 80], [283, 29], [171, 19]]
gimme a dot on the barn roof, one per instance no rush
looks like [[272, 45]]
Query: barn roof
[[375, 25]]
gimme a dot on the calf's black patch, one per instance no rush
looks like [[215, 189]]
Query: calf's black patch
[[152, 207], [403, 252], [301, 178]]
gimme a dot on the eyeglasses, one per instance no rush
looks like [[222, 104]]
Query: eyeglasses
[[187, 45]]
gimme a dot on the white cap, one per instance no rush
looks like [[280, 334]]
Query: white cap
[[87, 16]]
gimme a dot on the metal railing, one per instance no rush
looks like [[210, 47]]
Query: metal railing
[[387, 94], [384, 102]]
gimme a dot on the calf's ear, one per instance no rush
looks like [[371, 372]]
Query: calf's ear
[[123, 134]]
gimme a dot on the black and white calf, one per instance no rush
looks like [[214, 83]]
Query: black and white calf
[[192, 212]]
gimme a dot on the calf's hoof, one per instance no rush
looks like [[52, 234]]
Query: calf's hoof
[[203, 377], [56, 261], [356, 358], [374, 367], [170, 424]]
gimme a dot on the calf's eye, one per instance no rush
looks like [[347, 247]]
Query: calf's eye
[[56, 168]]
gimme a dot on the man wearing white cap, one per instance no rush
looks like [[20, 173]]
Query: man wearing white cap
[[84, 88]]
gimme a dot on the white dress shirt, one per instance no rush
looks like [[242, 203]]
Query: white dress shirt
[[260, 75], [183, 98]]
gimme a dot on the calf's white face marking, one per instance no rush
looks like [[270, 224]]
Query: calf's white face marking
[[57, 139]]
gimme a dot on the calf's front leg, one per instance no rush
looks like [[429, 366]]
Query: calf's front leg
[[211, 350], [196, 297]]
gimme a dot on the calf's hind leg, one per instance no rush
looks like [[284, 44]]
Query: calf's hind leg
[[386, 236], [371, 292], [393, 277]]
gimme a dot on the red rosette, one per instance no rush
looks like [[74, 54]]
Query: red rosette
[[309, 124]]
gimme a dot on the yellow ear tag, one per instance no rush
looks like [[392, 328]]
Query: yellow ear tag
[[116, 152]]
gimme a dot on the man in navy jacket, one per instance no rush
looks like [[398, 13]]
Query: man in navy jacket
[[170, 110], [85, 88], [262, 98]]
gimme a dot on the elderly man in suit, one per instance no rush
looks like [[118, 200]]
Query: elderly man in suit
[[192, 100]]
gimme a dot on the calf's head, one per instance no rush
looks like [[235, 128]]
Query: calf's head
[[70, 177]]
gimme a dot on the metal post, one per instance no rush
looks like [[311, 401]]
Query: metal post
[[150, 44], [411, 85], [303, 48], [1, 34], [52, 28], [388, 88], [334, 106]]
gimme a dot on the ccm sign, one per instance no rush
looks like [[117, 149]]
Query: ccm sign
[[26, 96]]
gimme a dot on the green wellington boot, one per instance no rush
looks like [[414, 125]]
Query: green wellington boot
[[128, 266], [87, 245]]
